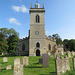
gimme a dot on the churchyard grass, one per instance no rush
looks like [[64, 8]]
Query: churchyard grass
[[34, 68]]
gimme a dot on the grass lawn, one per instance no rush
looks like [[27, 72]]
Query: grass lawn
[[34, 68]]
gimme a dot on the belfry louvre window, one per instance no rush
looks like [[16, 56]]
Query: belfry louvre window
[[37, 19]]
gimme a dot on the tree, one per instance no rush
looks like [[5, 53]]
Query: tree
[[3, 40], [12, 43], [8, 38], [58, 39], [69, 44]]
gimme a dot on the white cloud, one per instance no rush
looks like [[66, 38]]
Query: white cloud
[[14, 21], [21, 8], [23, 37], [47, 33]]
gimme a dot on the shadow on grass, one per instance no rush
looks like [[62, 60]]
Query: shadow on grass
[[36, 63], [2, 69], [9, 56], [51, 73], [32, 66]]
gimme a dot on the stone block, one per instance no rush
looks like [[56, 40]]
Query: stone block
[[45, 60], [5, 59], [9, 67], [18, 67], [25, 61], [74, 63]]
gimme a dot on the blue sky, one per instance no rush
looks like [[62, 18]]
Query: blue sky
[[59, 16]]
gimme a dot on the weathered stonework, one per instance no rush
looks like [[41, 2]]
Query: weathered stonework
[[5, 59], [25, 61], [18, 67], [73, 53], [37, 43], [45, 60], [74, 63], [62, 65], [69, 54], [9, 67]]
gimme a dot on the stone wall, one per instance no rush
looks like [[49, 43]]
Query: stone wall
[[19, 50]]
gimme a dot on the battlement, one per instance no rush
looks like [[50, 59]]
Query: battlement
[[50, 38], [60, 46]]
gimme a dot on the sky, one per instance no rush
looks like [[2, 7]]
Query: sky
[[59, 16]]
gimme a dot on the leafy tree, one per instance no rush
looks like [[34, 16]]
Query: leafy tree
[[7, 38], [3, 40], [69, 44], [12, 43], [58, 39]]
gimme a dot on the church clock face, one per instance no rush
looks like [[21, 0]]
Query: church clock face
[[36, 32]]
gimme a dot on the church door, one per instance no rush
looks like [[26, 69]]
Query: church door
[[37, 52]]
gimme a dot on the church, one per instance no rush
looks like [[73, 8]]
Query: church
[[37, 43]]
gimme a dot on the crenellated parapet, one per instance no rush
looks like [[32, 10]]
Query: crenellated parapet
[[51, 38], [60, 46]]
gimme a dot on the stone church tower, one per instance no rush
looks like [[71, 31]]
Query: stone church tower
[[37, 41]]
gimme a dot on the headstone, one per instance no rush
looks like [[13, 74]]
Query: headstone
[[72, 53], [58, 65], [2, 53], [25, 61], [49, 53], [74, 63], [5, 59], [40, 60], [9, 67], [67, 64], [69, 54], [18, 67], [62, 65], [45, 60]]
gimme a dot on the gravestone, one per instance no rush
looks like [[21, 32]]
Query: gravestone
[[49, 53], [5, 59], [40, 60], [69, 54], [74, 63], [25, 61], [18, 67], [73, 53], [62, 65], [9, 67], [67, 64], [45, 60]]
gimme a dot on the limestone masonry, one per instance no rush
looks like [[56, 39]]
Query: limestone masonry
[[37, 43]]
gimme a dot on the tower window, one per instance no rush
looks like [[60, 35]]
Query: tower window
[[23, 47], [37, 19], [37, 45]]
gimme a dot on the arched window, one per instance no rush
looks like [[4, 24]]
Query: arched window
[[49, 47], [37, 19], [23, 47], [37, 45]]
